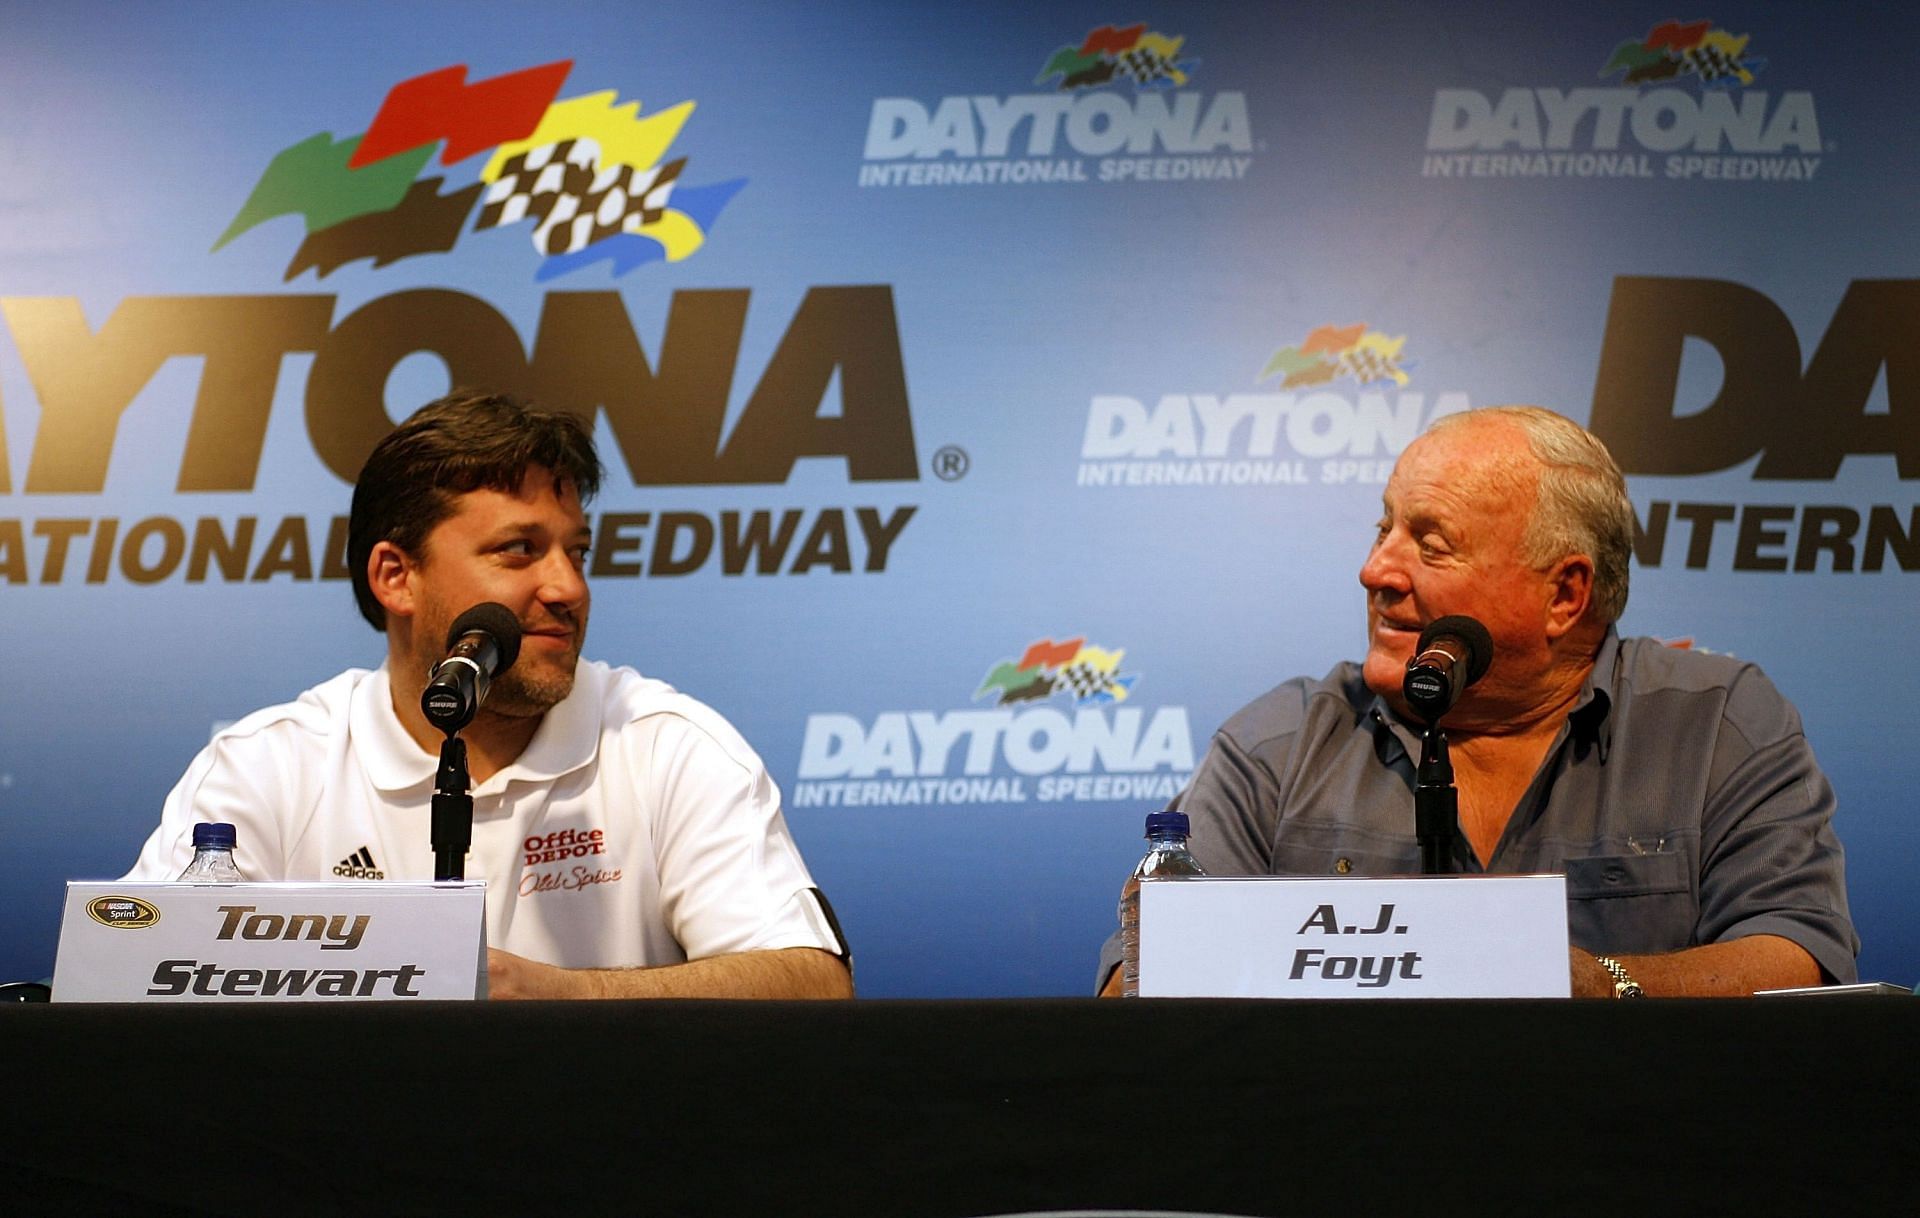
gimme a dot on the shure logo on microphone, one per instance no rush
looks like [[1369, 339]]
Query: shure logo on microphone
[[1424, 685]]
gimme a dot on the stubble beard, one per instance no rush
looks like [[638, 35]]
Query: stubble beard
[[525, 694]]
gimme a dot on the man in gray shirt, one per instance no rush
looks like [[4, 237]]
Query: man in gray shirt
[[1675, 789]]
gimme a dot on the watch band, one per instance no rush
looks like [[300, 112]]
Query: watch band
[[1624, 986]]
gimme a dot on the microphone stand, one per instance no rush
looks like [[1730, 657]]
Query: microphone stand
[[452, 827], [1453, 652], [1436, 803], [481, 644]]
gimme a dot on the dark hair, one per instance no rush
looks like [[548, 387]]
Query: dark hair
[[466, 441]]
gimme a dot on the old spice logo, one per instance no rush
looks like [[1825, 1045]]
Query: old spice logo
[[562, 848], [567, 879]]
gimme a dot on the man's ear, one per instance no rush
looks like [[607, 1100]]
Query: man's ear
[[1570, 594], [391, 573]]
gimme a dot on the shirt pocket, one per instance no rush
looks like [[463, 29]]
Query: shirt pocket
[[1316, 850], [1627, 903]]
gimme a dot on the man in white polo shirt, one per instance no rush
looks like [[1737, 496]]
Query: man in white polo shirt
[[632, 842]]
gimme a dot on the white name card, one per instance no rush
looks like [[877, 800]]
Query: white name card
[[128, 941], [1407, 937]]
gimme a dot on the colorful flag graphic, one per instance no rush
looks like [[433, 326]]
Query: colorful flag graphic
[[1149, 60], [1089, 674], [1674, 49], [1331, 353], [312, 179], [587, 174]]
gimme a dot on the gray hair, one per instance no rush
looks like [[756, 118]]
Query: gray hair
[[1581, 506]]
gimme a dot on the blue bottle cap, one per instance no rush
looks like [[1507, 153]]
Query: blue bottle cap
[[217, 836], [1167, 822]]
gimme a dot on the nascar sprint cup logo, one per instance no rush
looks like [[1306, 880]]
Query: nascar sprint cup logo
[[1022, 747]]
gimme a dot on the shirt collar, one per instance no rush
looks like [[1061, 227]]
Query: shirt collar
[[1589, 721], [392, 760], [569, 734], [567, 738], [1591, 717]]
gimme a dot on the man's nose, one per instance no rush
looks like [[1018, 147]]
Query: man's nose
[[562, 582], [1385, 570]]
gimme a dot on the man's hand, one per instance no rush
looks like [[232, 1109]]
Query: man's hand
[[1734, 969], [1590, 980], [794, 972], [511, 976]]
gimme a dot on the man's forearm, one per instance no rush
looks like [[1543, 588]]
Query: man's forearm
[[1733, 969], [795, 972]]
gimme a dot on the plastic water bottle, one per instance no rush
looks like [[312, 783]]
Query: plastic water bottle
[[1166, 855], [212, 856]]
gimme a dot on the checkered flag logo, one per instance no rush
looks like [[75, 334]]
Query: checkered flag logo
[[1711, 63], [1147, 59], [1332, 353], [1367, 365], [588, 175], [1087, 673], [1084, 681], [1144, 67], [1674, 49], [572, 200]]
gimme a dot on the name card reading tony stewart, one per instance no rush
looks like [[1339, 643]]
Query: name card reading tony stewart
[[1405, 937], [125, 941]]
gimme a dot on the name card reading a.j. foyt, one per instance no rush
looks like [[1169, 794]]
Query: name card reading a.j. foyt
[[146, 942], [1403, 937]]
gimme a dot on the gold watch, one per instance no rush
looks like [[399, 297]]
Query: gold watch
[[1624, 986]]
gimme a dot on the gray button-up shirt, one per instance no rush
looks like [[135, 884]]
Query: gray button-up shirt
[[1680, 798]]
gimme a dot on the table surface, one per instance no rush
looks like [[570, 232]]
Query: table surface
[[963, 1108]]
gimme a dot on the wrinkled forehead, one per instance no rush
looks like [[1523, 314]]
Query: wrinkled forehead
[[1476, 458]]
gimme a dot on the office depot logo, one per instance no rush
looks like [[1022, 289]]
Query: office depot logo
[[1019, 749], [1648, 126], [1120, 110], [586, 174], [1343, 412]]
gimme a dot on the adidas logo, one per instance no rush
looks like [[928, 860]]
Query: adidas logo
[[359, 866]]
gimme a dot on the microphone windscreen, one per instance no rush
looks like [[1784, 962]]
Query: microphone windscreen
[[1467, 630], [498, 620]]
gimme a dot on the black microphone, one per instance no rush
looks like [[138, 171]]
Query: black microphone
[[483, 643], [1454, 652]]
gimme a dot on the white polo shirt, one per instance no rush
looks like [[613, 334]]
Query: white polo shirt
[[637, 828]]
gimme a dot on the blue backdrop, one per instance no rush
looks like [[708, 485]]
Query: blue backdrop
[[995, 396]]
